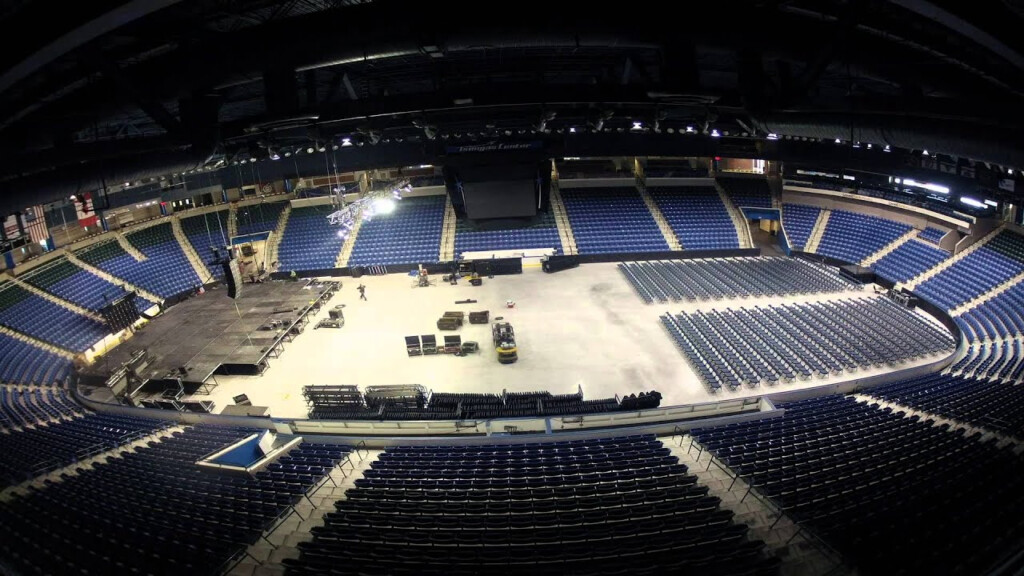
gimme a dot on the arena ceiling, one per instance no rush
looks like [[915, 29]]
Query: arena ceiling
[[110, 90]]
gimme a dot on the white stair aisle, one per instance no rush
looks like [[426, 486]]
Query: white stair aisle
[[666, 230], [917, 280], [562, 221], [57, 300], [37, 343], [190, 253], [889, 248], [278, 235], [447, 251], [127, 246], [817, 232], [232, 220], [981, 299], [738, 220], [346, 247], [267, 557], [112, 279], [800, 554]]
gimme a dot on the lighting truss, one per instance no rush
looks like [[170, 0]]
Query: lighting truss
[[373, 203]]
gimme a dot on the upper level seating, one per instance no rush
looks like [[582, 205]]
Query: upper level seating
[[205, 231], [674, 171], [310, 241], [1002, 316], [154, 511], [423, 181], [909, 260], [35, 316], [20, 407], [31, 451], [748, 346], [606, 220], [702, 279], [932, 235], [409, 235], [23, 363], [752, 192], [894, 495], [989, 403], [996, 262], [166, 272], [260, 217], [799, 220], [852, 237], [609, 506], [698, 217], [542, 233], [75, 285]]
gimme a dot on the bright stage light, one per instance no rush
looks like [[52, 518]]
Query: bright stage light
[[383, 206]]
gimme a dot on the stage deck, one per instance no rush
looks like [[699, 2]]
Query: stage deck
[[213, 334]]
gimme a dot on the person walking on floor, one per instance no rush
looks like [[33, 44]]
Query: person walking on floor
[[362, 292]]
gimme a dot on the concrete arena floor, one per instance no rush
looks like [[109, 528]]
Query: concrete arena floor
[[581, 327]]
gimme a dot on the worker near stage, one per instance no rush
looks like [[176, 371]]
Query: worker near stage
[[362, 292]]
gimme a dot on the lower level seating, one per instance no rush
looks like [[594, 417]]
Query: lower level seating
[[154, 512], [20, 407], [608, 506], [32, 451], [894, 495], [24, 363], [989, 403], [909, 260]]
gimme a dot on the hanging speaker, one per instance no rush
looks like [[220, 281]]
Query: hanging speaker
[[233, 278]]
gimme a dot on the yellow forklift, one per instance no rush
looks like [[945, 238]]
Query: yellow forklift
[[504, 342]]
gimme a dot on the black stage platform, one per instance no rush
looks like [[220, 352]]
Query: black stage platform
[[207, 335]]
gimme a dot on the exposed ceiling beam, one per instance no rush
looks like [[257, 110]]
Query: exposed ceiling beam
[[962, 27], [348, 87], [79, 36]]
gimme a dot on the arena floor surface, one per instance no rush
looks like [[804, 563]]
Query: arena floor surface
[[583, 327]]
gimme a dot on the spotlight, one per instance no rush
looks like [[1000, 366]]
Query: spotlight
[[637, 126], [309, 150], [773, 136], [346, 142], [274, 155], [127, 184], [383, 206], [869, 146], [715, 133], [287, 153], [572, 129], [924, 153], [690, 130], [321, 148], [252, 160], [838, 141], [886, 149]]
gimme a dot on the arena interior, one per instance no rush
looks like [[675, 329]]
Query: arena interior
[[372, 287]]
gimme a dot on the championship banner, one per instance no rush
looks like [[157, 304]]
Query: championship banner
[[84, 210]]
